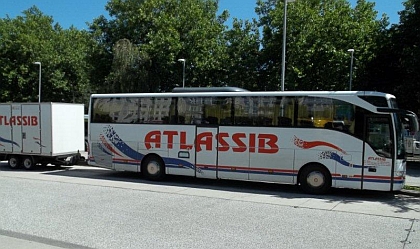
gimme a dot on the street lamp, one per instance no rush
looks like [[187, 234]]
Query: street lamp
[[351, 50], [39, 84], [183, 72], [283, 59]]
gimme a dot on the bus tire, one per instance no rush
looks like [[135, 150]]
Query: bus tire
[[28, 163], [14, 162], [153, 168], [315, 179]]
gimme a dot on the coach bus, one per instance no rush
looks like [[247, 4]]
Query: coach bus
[[317, 140]]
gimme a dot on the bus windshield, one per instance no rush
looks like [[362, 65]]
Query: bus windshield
[[399, 133]]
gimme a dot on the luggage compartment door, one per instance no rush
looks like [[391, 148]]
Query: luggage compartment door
[[6, 138], [31, 130]]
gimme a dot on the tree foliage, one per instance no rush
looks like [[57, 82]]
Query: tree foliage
[[319, 33], [243, 52], [137, 50], [406, 38], [63, 54], [161, 32], [406, 43]]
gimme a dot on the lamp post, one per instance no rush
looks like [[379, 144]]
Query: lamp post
[[283, 59], [183, 72], [39, 84], [351, 50]]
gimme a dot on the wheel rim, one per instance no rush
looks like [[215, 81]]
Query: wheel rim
[[315, 179], [153, 168], [27, 163], [13, 162]]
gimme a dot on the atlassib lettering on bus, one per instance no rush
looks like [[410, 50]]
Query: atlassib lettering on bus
[[19, 120], [241, 142]]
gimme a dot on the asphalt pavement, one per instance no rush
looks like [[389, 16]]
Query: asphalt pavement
[[89, 206], [11, 240]]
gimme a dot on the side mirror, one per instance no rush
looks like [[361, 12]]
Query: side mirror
[[411, 121]]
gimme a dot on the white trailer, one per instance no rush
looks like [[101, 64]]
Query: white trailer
[[41, 133]]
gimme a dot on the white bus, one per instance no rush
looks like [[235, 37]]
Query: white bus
[[317, 140]]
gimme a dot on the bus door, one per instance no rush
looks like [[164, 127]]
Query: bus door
[[206, 149], [234, 153], [378, 153]]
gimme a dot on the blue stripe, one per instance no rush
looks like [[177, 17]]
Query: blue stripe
[[8, 141]]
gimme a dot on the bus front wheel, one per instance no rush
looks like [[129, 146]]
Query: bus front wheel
[[315, 179], [153, 168]]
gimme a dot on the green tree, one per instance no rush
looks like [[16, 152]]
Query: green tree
[[319, 33], [243, 50], [396, 68], [126, 68], [64, 55], [406, 40], [20, 46], [161, 32]]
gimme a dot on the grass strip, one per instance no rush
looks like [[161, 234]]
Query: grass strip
[[415, 188]]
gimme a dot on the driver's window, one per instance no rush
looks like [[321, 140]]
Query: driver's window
[[378, 135]]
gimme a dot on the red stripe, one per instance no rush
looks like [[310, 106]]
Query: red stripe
[[374, 177], [126, 160], [246, 168]]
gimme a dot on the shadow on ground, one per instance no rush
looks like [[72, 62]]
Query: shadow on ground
[[402, 201]]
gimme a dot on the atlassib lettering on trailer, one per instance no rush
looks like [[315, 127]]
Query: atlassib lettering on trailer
[[19, 120]]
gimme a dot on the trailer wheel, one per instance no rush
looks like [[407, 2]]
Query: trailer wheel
[[74, 160], [28, 163], [14, 162], [153, 168]]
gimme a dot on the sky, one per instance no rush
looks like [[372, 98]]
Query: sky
[[79, 12]]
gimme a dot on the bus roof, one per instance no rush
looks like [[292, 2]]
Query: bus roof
[[210, 93], [207, 89]]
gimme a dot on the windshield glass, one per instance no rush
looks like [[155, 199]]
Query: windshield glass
[[399, 130], [393, 103], [399, 133]]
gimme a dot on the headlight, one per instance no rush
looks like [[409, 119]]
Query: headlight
[[399, 173]]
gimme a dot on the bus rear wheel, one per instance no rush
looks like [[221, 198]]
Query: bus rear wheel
[[153, 168], [315, 179]]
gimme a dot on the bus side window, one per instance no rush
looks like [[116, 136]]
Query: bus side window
[[335, 125], [284, 122], [212, 120], [338, 125], [358, 122], [328, 125]]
